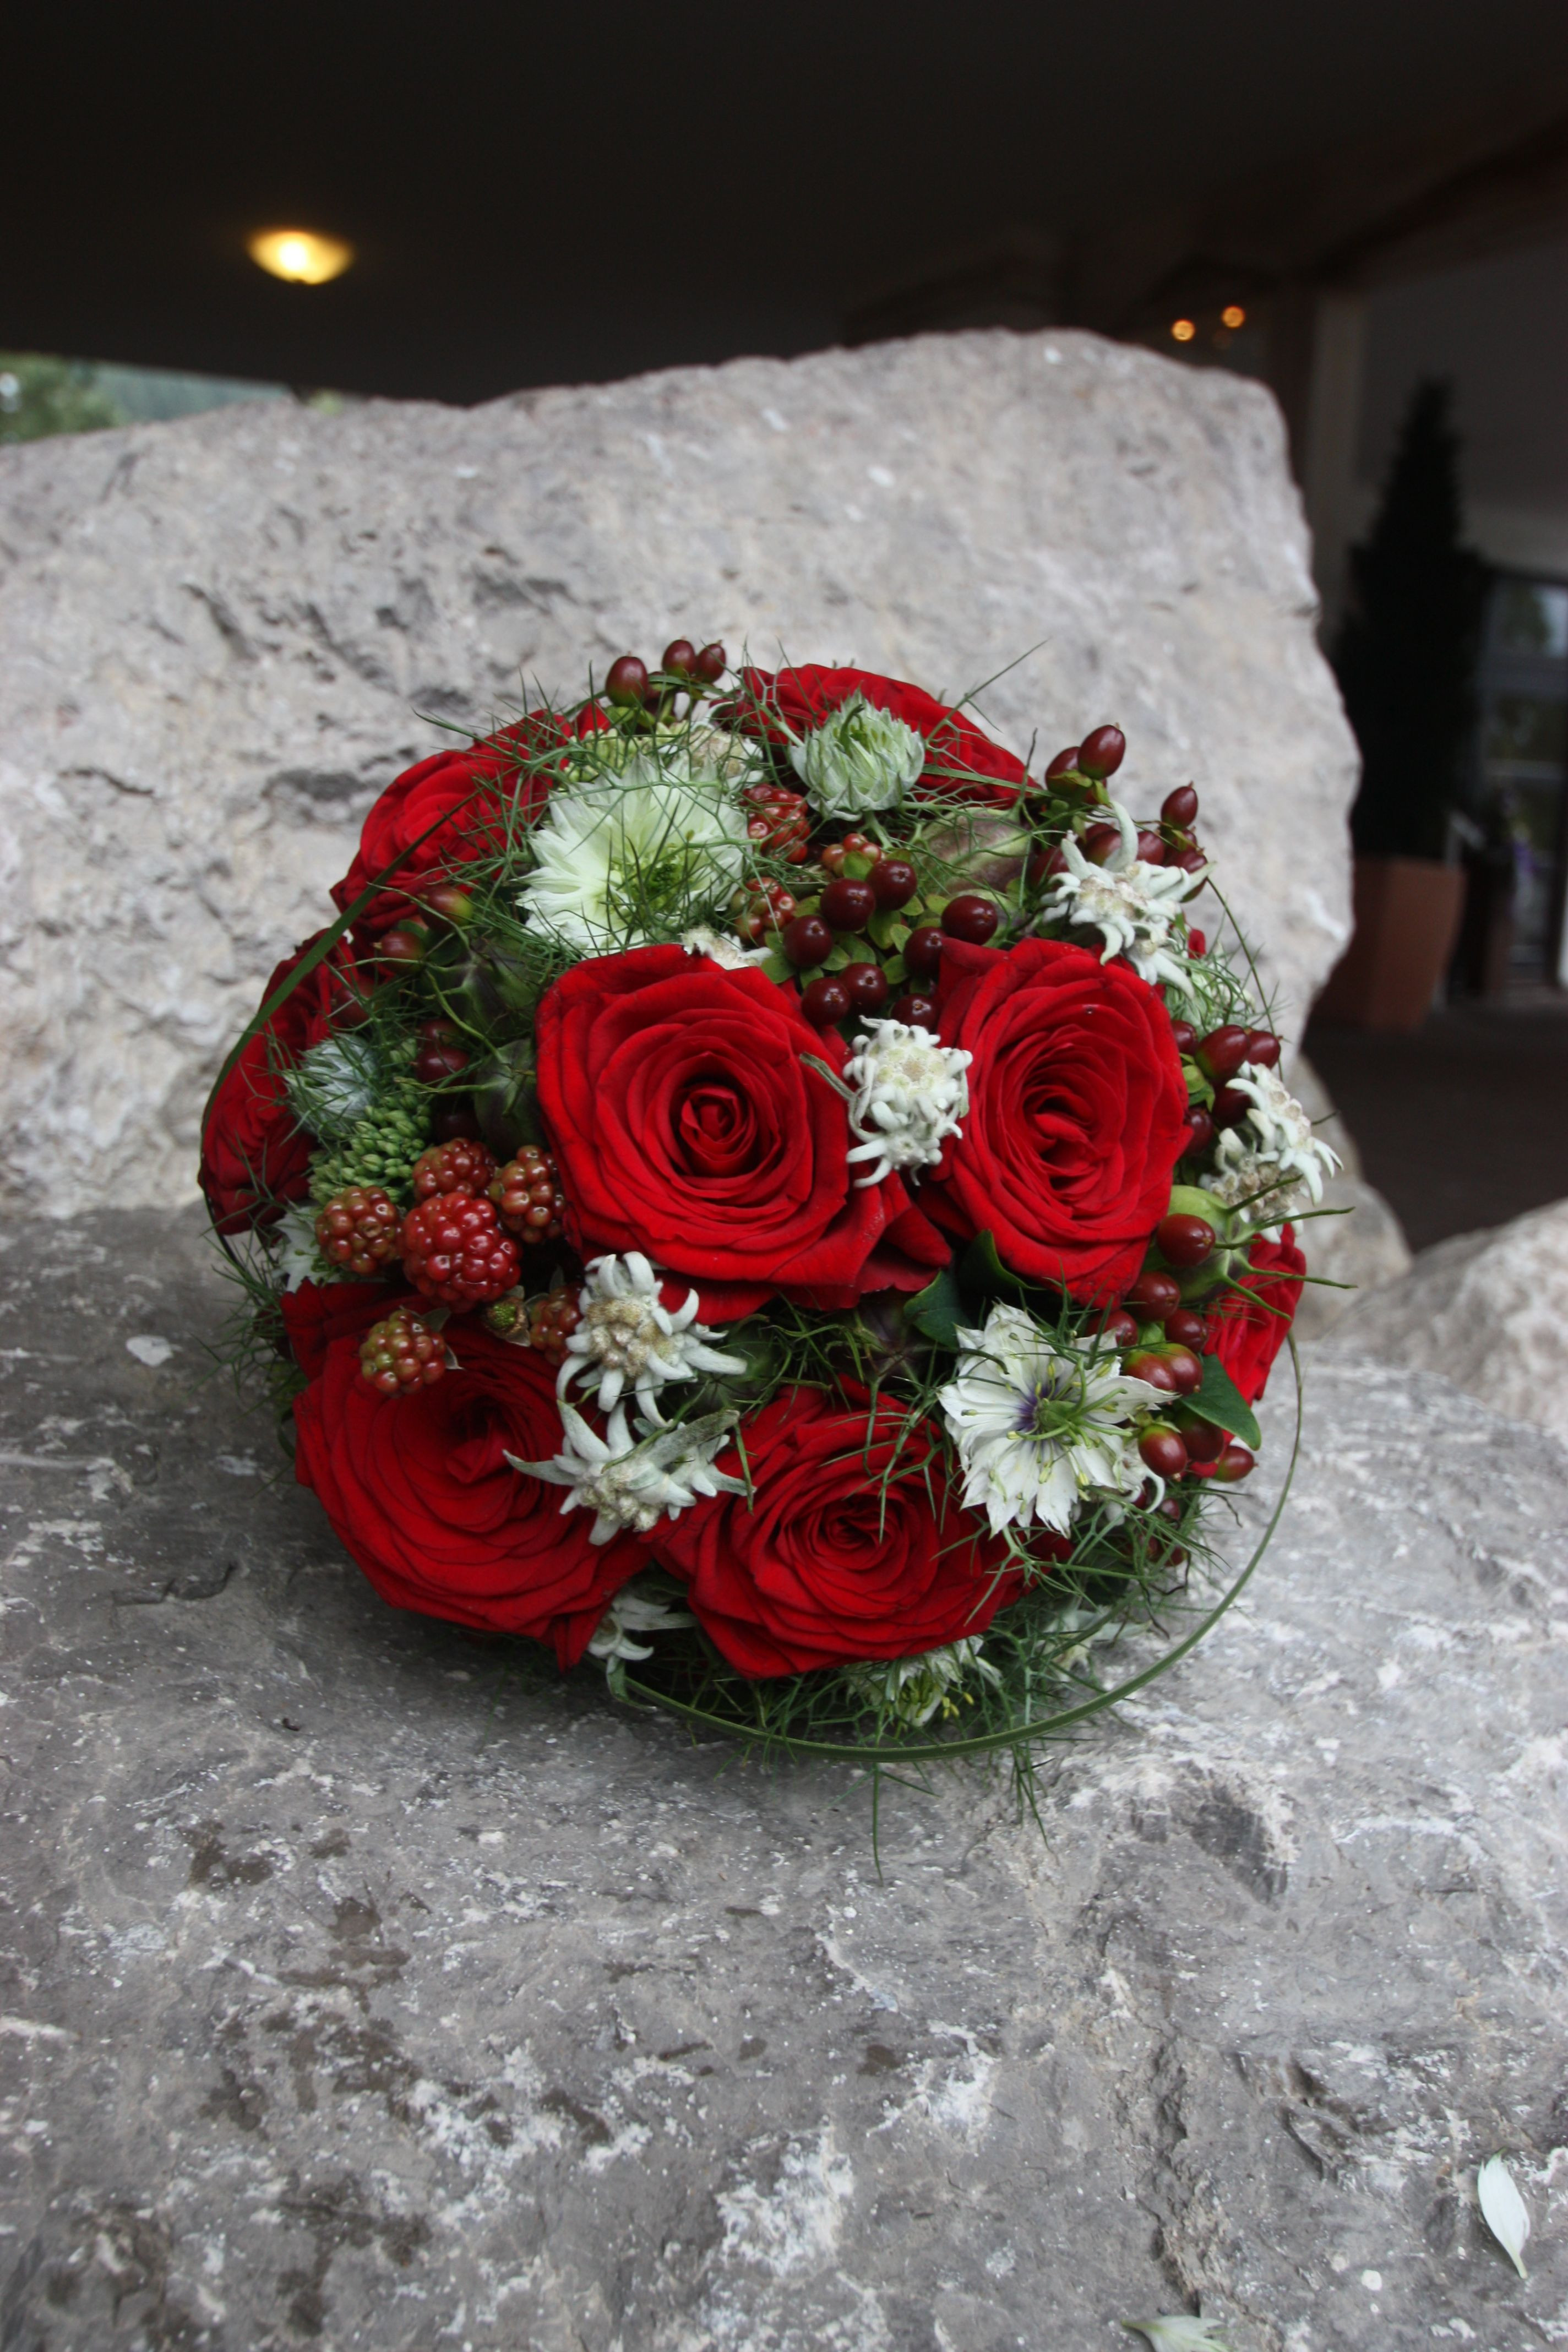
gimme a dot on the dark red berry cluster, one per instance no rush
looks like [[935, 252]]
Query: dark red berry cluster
[[454, 1250], [358, 1229], [527, 1193], [401, 1353]]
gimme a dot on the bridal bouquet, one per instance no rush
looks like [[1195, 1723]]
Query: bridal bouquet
[[759, 1188]]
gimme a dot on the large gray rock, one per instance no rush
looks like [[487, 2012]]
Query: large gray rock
[[219, 638], [366, 1990], [1488, 1311], [1359, 1244]]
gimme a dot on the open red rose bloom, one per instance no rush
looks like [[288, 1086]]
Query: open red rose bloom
[[758, 1187]]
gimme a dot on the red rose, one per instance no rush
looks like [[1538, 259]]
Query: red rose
[[1247, 1332], [960, 760], [255, 1154], [827, 1563], [685, 1123], [419, 1490], [471, 798], [318, 1313], [1076, 1103]]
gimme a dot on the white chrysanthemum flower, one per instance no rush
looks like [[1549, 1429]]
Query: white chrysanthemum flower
[[623, 859], [860, 759], [1036, 1425], [1132, 906], [914, 1688], [630, 1484], [635, 1611], [729, 953], [909, 1093], [628, 1339], [1269, 1164]]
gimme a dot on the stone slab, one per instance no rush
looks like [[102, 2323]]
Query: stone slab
[[220, 637], [360, 1990]]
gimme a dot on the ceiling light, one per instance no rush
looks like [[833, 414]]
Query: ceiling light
[[1182, 330], [299, 255], [1233, 315]]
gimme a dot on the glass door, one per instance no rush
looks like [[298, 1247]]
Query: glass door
[[1522, 762]]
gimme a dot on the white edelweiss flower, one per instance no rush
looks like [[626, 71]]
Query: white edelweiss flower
[[294, 1255], [621, 859], [728, 952], [906, 1093], [628, 1339], [635, 1611], [634, 1483], [1132, 906], [1271, 1163], [916, 1687], [1037, 1426], [860, 759]]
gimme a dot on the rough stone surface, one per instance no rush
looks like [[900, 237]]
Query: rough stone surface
[[361, 1992], [219, 638], [1488, 1310], [1360, 1247]]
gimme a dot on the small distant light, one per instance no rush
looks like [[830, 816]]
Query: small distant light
[[299, 255], [1233, 315], [1182, 330]]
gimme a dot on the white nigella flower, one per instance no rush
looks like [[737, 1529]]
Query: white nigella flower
[[1038, 1425], [332, 1086], [1271, 1163], [637, 1608], [628, 1339], [858, 759], [906, 1093], [916, 1687], [729, 953], [631, 1483], [1132, 906], [622, 858]]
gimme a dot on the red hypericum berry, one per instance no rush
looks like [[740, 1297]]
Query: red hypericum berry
[[711, 665], [1203, 1441], [405, 943], [826, 1002], [454, 1251], [969, 917], [358, 1229], [922, 952], [452, 904], [1223, 1052], [552, 1323], [1200, 1129], [1144, 1365], [894, 882], [848, 906], [1229, 1105], [1064, 764], [1263, 1049], [401, 1354], [915, 1012], [1103, 751], [1197, 944], [780, 823], [1153, 1296], [1180, 807], [439, 1033], [435, 1064], [1151, 849], [868, 986], [528, 1196], [1183, 1240], [806, 941], [1098, 841], [1121, 1328], [678, 658], [1162, 1451], [774, 906], [459, 1167], [1184, 1036], [626, 684], [1186, 1370], [1168, 1509], [1041, 865], [454, 1120], [1188, 1330], [1189, 860], [1237, 1462]]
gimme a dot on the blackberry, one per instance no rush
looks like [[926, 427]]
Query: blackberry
[[401, 1354], [527, 1192], [358, 1230], [454, 1251]]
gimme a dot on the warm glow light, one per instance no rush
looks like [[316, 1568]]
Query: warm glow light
[[299, 255], [1182, 330], [1233, 315]]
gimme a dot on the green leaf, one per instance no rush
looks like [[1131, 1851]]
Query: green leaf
[[1219, 1401], [776, 967], [938, 1309], [982, 1276]]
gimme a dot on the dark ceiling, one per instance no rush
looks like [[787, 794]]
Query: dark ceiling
[[543, 194]]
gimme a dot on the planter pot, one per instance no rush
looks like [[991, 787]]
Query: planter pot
[[1407, 913]]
